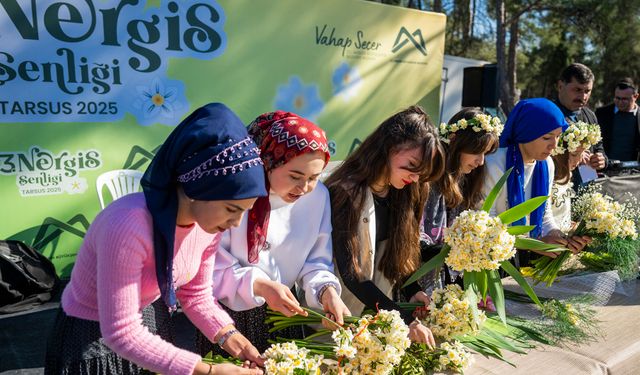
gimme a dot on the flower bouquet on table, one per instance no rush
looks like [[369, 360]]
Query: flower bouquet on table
[[614, 231], [614, 227], [371, 344]]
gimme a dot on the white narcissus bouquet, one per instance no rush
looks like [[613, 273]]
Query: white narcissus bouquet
[[287, 359], [478, 242], [455, 357], [600, 216], [612, 226], [578, 134], [451, 314], [371, 344], [379, 341]]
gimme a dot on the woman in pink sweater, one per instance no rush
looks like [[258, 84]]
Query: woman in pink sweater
[[161, 245]]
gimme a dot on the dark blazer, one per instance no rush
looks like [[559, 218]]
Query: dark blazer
[[605, 119]]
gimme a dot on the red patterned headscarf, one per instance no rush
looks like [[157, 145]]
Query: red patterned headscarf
[[280, 136]]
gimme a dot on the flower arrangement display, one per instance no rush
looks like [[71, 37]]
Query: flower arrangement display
[[478, 123], [287, 359], [454, 357], [371, 344], [451, 314], [478, 242], [478, 245], [578, 134], [612, 226], [377, 343], [602, 217]]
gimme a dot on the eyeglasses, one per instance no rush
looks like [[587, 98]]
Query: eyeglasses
[[621, 99]]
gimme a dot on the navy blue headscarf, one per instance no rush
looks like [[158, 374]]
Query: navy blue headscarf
[[211, 155], [530, 119]]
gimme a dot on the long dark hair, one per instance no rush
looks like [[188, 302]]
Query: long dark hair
[[408, 129], [458, 188], [562, 173]]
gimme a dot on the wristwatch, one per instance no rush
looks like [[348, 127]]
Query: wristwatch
[[226, 336]]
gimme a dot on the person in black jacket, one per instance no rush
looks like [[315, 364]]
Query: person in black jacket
[[574, 89], [620, 123]]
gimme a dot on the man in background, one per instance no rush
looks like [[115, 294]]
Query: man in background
[[620, 123], [574, 89]]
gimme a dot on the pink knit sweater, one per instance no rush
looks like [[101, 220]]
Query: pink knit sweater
[[114, 278]]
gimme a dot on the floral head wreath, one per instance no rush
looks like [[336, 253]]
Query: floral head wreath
[[478, 123], [578, 134]]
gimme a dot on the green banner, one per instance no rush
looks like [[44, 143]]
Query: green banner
[[89, 87]]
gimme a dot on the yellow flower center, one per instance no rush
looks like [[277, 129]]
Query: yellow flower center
[[298, 102], [157, 99]]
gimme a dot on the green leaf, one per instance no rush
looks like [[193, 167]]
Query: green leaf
[[523, 209], [434, 262], [517, 276], [469, 278], [496, 291], [517, 230], [481, 281], [493, 194], [525, 243]]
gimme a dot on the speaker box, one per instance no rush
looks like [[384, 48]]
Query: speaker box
[[480, 86]]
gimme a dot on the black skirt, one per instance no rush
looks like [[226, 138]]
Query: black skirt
[[76, 346], [251, 323]]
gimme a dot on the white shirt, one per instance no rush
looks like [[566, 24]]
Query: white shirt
[[561, 195], [300, 251], [496, 166]]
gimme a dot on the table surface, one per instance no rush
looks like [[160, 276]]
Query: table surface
[[616, 352]]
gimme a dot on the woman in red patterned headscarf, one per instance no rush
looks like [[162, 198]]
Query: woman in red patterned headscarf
[[286, 237]]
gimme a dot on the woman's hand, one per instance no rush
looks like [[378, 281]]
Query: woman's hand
[[578, 243], [231, 369], [422, 297], [238, 346], [334, 308], [555, 237], [278, 297], [421, 334]]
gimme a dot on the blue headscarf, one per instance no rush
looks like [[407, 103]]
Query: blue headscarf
[[211, 155], [529, 120]]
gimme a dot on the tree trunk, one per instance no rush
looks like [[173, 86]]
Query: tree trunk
[[512, 64], [503, 88], [437, 6]]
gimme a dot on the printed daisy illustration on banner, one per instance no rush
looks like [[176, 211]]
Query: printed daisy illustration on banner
[[162, 101], [299, 98], [346, 81]]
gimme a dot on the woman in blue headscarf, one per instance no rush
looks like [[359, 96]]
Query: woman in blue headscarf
[[160, 246], [530, 135]]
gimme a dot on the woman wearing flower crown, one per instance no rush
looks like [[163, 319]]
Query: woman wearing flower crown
[[377, 196], [530, 135], [286, 237], [160, 245], [566, 157], [469, 136]]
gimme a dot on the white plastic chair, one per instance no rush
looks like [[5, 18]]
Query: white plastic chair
[[120, 182]]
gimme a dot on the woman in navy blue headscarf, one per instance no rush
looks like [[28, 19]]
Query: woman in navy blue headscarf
[[160, 246], [530, 135]]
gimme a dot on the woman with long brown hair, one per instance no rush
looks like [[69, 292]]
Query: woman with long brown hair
[[468, 137], [377, 196]]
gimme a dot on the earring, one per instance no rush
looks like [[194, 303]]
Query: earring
[[191, 200]]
